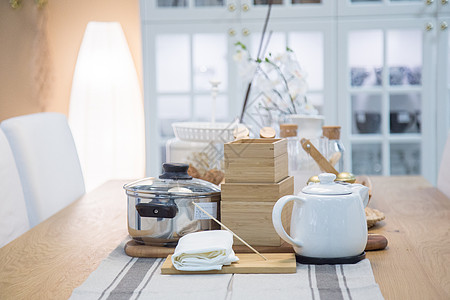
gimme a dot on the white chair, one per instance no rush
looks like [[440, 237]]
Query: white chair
[[47, 161], [443, 181], [13, 212]]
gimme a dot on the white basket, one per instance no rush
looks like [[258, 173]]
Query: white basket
[[204, 131]]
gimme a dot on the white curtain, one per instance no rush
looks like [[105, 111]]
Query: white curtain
[[106, 112]]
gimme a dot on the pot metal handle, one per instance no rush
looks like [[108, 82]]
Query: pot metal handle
[[157, 210]]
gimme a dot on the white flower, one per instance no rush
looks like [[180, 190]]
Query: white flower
[[300, 74], [247, 71], [282, 58], [297, 87], [246, 66], [265, 85], [240, 56], [308, 109], [284, 105], [280, 82]]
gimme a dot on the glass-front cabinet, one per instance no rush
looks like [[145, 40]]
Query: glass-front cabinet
[[395, 91], [378, 68], [387, 96]]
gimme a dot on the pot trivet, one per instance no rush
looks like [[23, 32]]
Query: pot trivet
[[330, 261], [373, 216]]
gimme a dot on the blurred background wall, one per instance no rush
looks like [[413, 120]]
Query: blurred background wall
[[39, 48]]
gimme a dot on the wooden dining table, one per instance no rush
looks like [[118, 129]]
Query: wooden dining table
[[56, 256]]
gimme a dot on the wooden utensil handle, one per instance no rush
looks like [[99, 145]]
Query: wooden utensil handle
[[323, 163]]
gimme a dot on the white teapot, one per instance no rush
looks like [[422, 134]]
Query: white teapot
[[328, 219]]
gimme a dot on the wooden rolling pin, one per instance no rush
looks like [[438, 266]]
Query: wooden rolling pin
[[376, 242]]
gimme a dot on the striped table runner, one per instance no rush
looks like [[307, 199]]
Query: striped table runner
[[122, 277]]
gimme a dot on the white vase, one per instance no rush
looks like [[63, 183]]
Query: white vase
[[309, 126]]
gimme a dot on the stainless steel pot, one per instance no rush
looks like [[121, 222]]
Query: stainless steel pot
[[160, 211]]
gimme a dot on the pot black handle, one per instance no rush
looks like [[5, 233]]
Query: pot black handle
[[175, 171], [157, 210]]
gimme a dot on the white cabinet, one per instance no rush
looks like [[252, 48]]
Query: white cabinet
[[378, 68], [186, 45]]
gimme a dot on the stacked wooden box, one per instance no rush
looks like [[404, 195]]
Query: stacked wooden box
[[256, 176]]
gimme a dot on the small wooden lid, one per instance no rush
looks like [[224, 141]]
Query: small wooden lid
[[332, 132], [287, 130], [267, 133], [241, 132]]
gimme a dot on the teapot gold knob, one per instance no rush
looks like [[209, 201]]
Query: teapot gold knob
[[313, 179], [346, 177]]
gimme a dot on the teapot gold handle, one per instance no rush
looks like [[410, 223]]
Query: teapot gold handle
[[276, 218]]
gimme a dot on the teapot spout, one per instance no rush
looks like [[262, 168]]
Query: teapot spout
[[362, 191]]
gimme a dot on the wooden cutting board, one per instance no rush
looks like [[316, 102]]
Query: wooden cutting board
[[374, 242], [139, 250], [249, 263]]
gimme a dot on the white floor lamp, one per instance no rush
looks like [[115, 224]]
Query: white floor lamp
[[106, 112]]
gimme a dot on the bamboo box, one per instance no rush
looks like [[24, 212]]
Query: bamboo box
[[252, 221], [255, 148], [257, 192], [256, 170]]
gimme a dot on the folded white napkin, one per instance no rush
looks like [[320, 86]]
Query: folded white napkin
[[204, 251]]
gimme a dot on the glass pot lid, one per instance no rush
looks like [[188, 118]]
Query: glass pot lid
[[327, 186], [174, 182]]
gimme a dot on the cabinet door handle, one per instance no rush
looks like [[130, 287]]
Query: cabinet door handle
[[231, 7], [429, 26], [429, 2], [231, 32], [245, 31], [444, 25], [245, 7]]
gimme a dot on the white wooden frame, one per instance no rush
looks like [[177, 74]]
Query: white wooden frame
[[387, 7], [443, 86], [235, 9]]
